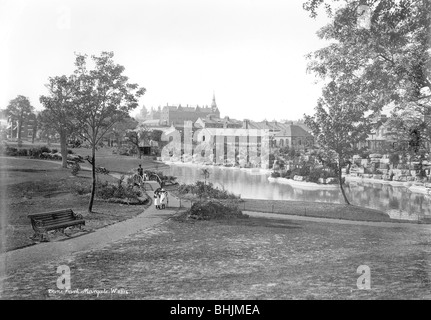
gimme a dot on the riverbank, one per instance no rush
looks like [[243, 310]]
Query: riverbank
[[202, 165], [304, 184], [320, 210]]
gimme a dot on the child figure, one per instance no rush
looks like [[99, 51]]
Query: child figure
[[163, 199], [157, 199]]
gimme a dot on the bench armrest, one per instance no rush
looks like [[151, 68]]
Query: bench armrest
[[78, 216]]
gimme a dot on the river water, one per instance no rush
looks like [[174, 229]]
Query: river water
[[398, 202]]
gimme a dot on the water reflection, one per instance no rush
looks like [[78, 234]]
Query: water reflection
[[398, 202]]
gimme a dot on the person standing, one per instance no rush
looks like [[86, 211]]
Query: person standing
[[157, 199], [141, 171]]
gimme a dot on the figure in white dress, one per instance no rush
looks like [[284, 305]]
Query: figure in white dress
[[163, 199], [157, 200]]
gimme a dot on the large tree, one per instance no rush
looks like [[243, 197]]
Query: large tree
[[104, 97], [388, 60], [58, 109], [19, 109], [339, 124]]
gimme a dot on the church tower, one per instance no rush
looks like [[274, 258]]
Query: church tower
[[214, 104]]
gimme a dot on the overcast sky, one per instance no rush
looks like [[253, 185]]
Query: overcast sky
[[249, 52]]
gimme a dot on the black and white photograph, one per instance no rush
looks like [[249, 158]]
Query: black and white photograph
[[215, 155]]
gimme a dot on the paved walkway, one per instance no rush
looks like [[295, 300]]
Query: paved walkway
[[45, 251]]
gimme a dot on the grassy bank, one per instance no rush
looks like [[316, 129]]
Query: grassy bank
[[30, 186], [315, 209]]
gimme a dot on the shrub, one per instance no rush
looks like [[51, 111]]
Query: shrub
[[45, 149], [69, 151], [54, 151], [75, 168], [22, 152], [11, 151], [275, 174], [315, 175], [215, 209], [202, 190], [106, 190], [286, 174], [81, 188], [34, 152]]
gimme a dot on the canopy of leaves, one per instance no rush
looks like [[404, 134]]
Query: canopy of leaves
[[104, 95], [58, 104], [19, 108], [388, 62], [339, 122]]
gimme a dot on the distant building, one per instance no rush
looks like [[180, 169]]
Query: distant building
[[28, 128], [176, 115], [212, 121], [155, 114], [284, 134]]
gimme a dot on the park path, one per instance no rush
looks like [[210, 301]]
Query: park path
[[46, 251]]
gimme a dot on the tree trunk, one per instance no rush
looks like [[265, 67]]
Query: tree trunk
[[340, 179], [93, 171], [18, 134], [63, 148]]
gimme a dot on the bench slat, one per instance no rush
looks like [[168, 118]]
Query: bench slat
[[65, 225], [54, 222], [33, 215], [69, 216]]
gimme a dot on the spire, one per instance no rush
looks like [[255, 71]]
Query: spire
[[214, 104]]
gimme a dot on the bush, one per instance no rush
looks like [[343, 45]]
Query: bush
[[75, 168], [286, 174], [45, 149], [34, 152], [22, 153], [202, 190], [81, 188], [275, 174], [69, 151], [54, 151], [11, 151], [106, 190], [214, 209]]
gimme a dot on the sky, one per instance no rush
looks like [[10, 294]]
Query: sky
[[249, 53]]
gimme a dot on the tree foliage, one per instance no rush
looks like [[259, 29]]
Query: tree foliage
[[103, 97], [339, 124], [136, 137], [19, 109], [58, 110], [388, 62]]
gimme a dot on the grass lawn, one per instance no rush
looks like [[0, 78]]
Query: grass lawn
[[255, 258], [30, 186], [105, 158], [118, 163]]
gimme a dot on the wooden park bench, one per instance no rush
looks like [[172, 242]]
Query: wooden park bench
[[54, 220]]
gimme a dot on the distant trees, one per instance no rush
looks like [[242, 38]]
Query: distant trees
[[138, 136], [58, 110], [120, 129], [19, 109]]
